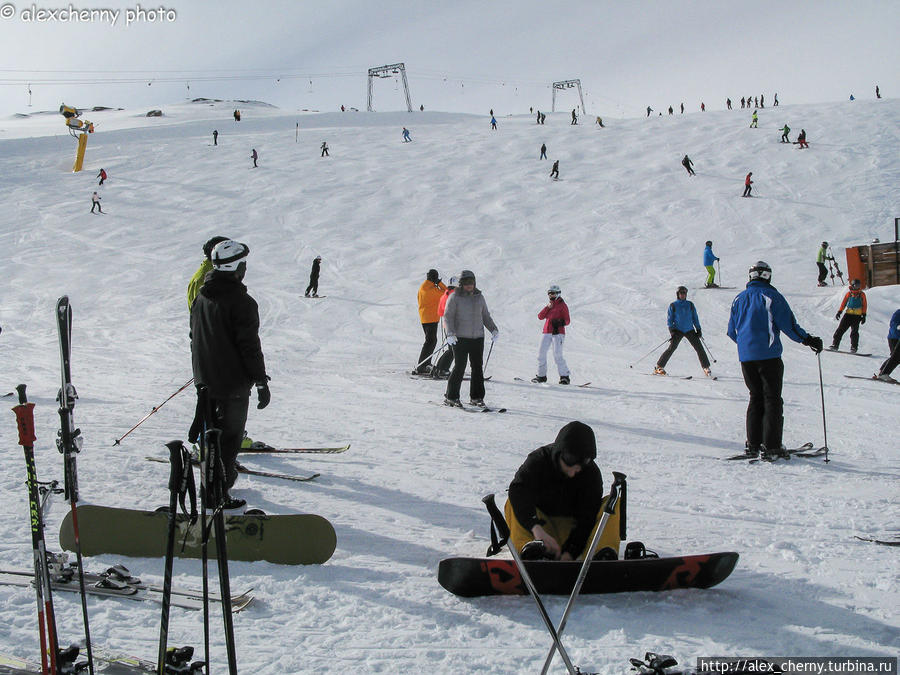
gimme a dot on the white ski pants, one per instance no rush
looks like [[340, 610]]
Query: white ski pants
[[557, 343]]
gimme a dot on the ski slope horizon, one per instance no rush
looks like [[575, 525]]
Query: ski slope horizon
[[621, 230]]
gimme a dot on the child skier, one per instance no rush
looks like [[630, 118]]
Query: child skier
[[683, 323], [708, 259], [855, 304], [555, 315]]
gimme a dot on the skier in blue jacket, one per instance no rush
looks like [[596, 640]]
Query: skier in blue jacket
[[708, 259], [683, 323], [758, 315], [893, 338]]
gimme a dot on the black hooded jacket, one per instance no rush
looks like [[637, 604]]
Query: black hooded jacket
[[540, 484], [226, 354]]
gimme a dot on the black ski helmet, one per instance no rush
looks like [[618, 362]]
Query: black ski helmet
[[211, 244], [433, 276], [709, 243], [824, 244], [680, 290], [761, 270]]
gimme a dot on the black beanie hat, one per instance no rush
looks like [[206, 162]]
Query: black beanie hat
[[211, 244], [433, 276], [576, 441]]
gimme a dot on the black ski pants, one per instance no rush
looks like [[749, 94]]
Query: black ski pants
[[693, 338], [765, 412], [471, 350], [231, 418], [428, 346], [313, 285], [888, 366], [747, 189], [823, 272], [852, 322]]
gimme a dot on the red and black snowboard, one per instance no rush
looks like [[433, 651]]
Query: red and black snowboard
[[471, 577]]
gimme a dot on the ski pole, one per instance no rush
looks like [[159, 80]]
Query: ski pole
[[176, 478], [46, 618], [428, 358], [822, 393], [154, 410], [487, 360], [608, 510], [719, 270], [650, 352], [503, 531], [706, 346]]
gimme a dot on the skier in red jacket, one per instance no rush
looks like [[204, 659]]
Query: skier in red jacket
[[555, 315]]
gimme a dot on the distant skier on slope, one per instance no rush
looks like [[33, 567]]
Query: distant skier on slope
[[95, 203], [101, 176], [493, 123], [556, 500], [555, 315], [574, 116], [324, 148], [554, 171], [254, 156], [709, 259], [543, 151], [821, 256], [312, 291], [754, 122], [801, 140], [683, 322], [758, 315], [406, 138], [747, 184], [854, 303], [785, 130], [688, 165]]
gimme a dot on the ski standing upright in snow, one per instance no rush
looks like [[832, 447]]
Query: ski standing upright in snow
[[69, 444]]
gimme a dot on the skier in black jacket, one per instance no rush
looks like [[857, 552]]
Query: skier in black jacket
[[314, 278], [556, 497], [226, 354]]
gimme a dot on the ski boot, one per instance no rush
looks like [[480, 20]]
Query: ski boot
[[538, 379], [606, 553], [452, 402], [535, 550], [707, 372], [659, 370], [564, 379], [479, 402]]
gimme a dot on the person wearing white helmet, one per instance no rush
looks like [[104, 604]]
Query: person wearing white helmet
[[821, 256], [555, 315], [758, 315], [226, 354]]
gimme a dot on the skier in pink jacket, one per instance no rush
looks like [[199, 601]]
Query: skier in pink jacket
[[555, 315]]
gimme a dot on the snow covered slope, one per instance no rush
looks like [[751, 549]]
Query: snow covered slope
[[619, 232]]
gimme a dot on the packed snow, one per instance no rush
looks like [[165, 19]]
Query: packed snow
[[619, 232]]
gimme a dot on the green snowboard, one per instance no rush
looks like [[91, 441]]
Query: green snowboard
[[301, 539]]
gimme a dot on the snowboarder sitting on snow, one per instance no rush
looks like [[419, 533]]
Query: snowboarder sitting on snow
[[555, 315], [683, 323], [688, 164], [855, 304], [556, 499], [708, 259]]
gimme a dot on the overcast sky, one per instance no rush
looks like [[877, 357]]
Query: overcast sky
[[460, 55]]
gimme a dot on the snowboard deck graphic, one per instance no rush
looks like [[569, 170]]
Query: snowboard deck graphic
[[473, 577], [295, 539]]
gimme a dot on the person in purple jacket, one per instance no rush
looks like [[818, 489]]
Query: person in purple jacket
[[758, 315]]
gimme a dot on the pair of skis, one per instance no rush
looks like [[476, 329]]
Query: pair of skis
[[805, 450]]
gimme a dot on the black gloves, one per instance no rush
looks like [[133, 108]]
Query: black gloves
[[557, 324], [838, 315], [863, 319], [699, 332], [672, 331], [264, 395], [814, 343]]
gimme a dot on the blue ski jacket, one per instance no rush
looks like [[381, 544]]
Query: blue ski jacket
[[708, 257], [894, 330], [683, 316], [758, 315]]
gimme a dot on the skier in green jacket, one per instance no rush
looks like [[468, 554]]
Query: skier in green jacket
[[785, 130]]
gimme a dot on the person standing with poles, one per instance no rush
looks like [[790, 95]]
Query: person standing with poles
[[465, 317], [856, 307], [709, 258], [429, 298], [555, 315], [683, 322], [821, 256], [893, 338], [747, 184], [758, 315]]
